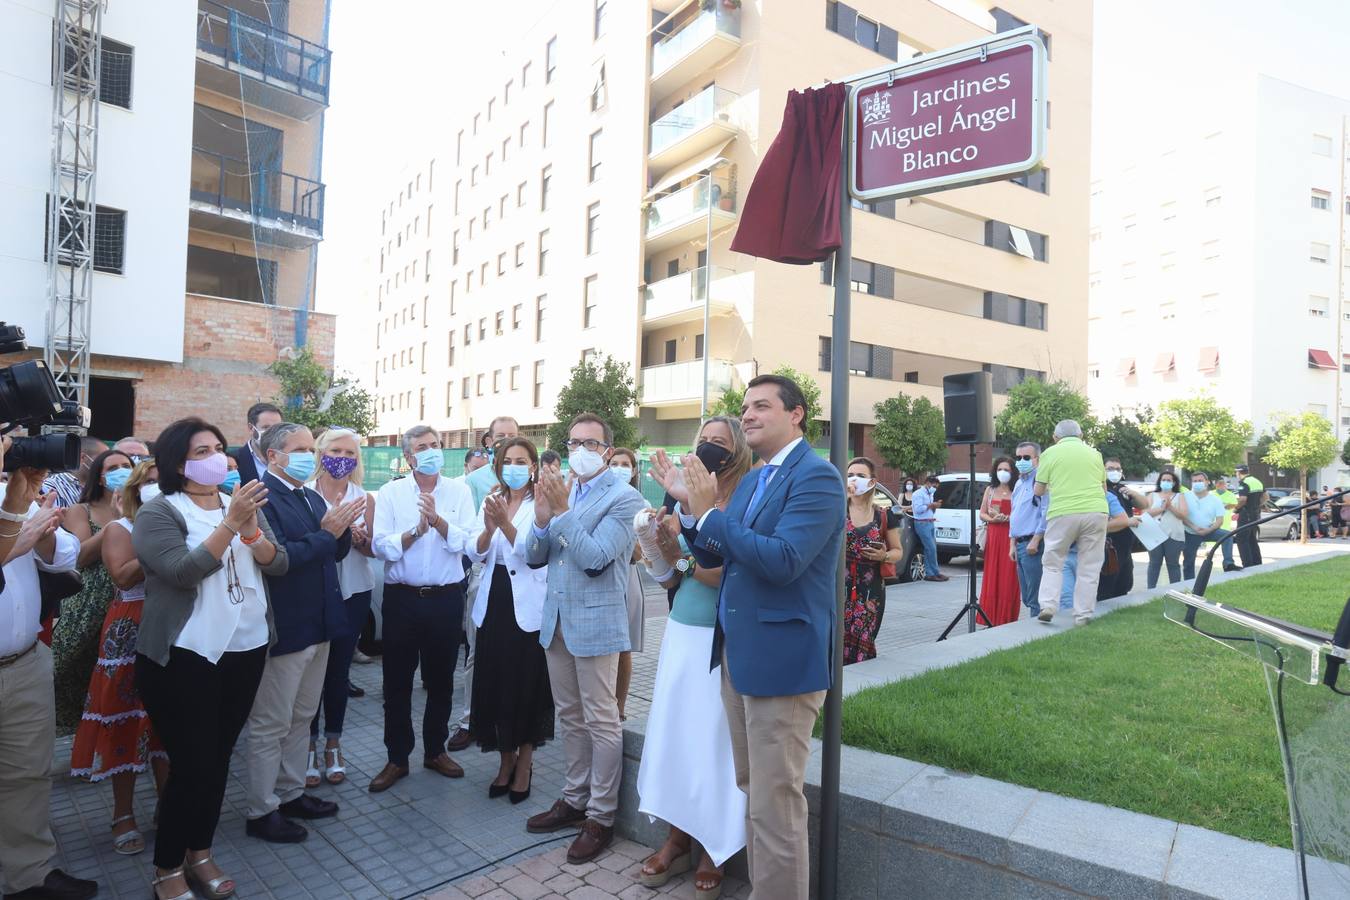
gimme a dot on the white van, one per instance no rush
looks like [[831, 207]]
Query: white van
[[952, 525]]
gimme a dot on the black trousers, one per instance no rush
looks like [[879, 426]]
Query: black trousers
[[198, 710], [1248, 547], [426, 628]]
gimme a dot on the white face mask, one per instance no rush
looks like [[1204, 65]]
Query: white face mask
[[585, 462], [623, 472], [1113, 475], [1004, 476], [148, 492], [861, 483]]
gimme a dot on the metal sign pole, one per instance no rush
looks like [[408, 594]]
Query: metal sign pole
[[839, 424]]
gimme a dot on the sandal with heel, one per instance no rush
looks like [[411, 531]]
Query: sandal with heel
[[713, 880], [337, 772], [210, 889], [123, 843], [312, 775], [678, 865], [176, 873]]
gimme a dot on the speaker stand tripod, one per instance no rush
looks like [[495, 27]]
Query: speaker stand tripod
[[972, 610]]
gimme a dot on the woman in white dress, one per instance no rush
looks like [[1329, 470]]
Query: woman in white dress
[[687, 776]]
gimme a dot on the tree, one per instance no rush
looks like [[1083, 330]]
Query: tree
[[1034, 408], [1127, 439], [314, 396], [729, 404], [1304, 441], [910, 434], [1201, 434], [603, 387]]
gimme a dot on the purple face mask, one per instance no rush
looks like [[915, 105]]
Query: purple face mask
[[339, 466], [211, 470]]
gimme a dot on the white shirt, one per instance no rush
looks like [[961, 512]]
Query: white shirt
[[21, 602], [430, 560], [354, 575], [218, 625], [778, 459]]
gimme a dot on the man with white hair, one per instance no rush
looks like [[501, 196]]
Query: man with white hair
[[1075, 477]]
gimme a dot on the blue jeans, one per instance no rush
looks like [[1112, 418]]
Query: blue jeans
[[1193, 542], [1029, 578], [1168, 551], [930, 558]]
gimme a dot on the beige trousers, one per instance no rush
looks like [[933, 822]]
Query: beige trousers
[[770, 743], [588, 711], [1088, 531], [278, 727], [27, 733]]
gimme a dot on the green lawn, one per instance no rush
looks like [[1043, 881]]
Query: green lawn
[[1132, 711]]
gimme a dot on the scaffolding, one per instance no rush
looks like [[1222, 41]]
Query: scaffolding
[[71, 211]]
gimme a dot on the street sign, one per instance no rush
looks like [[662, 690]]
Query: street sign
[[950, 119]]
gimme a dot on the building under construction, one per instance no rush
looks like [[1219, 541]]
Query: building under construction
[[162, 199]]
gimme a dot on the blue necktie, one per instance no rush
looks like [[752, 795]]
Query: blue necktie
[[764, 474]]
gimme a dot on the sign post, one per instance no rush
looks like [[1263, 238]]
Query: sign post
[[971, 113]]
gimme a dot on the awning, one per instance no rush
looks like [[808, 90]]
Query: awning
[[694, 168], [1209, 359], [1126, 367], [1165, 363], [1320, 359], [1021, 241]]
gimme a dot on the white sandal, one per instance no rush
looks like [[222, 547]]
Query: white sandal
[[312, 774], [120, 841], [176, 873], [333, 759]]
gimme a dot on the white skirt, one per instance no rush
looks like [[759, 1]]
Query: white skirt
[[687, 776]]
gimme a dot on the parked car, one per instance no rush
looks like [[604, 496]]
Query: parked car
[[952, 526], [1285, 528], [910, 567]]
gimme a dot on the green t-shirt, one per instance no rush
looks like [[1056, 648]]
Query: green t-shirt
[[1073, 472], [1228, 498], [480, 483]]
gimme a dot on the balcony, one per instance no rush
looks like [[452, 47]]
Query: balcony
[[684, 214], [698, 124], [676, 384], [226, 198], [290, 74], [680, 298], [702, 43]]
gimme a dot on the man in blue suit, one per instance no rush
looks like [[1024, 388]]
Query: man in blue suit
[[779, 543], [306, 608], [583, 531]]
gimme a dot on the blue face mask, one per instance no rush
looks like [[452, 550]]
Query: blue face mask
[[1025, 465], [429, 461], [300, 466], [117, 479], [1164, 485], [230, 483], [515, 476]]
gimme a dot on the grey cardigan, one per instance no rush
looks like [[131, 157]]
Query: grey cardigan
[[172, 573]]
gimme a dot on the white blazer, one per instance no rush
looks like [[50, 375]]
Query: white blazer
[[528, 586]]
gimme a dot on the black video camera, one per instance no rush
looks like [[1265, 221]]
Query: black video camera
[[30, 398]]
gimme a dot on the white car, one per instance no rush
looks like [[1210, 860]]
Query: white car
[[952, 525]]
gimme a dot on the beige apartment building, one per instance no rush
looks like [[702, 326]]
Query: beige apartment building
[[583, 191]]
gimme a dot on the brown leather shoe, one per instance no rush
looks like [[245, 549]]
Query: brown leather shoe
[[444, 765], [461, 740], [594, 838], [388, 775], [560, 816]]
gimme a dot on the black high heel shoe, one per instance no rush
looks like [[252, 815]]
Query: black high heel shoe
[[522, 796], [498, 790]]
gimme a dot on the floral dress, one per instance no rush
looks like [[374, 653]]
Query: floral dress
[[865, 589], [75, 643], [115, 734]]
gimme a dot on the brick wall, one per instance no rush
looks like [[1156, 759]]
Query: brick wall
[[227, 346]]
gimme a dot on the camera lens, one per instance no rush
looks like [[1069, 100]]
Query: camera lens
[[53, 452], [28, 394]]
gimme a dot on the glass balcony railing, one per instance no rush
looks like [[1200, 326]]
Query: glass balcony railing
[[670, 50], [682, 382], [712, 104], [269, 197], [242, 43], [679, 293], [688, 202]]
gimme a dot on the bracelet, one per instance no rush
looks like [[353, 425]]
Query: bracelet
[[234, 530], [15, 533], [6, 516], [257, 536]]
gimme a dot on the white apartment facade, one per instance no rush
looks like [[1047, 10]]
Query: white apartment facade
[[1220, 264]]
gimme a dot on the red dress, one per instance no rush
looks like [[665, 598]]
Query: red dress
[[1000, 594]]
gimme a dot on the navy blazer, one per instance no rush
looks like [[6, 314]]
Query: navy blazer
[[779, 582], [307, 601], [248, 469]]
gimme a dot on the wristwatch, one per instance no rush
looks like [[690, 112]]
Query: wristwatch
[[684, 565]]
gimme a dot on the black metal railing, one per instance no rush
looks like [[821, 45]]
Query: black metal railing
[[252, 45], [268, 195]]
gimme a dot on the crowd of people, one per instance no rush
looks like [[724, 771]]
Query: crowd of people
[[196, 593]]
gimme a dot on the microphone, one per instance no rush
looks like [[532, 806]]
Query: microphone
[[1202, 575]]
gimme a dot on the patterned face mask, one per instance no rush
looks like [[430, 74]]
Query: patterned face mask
[[339, 466]]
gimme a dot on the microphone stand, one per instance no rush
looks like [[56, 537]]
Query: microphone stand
[[1202, 575]]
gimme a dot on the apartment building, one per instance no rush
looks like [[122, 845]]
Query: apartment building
[[608, 227], [1219, 263], [209, 201]]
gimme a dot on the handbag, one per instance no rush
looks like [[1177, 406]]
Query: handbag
[[55, 587], [1111, 561], [889, 573]]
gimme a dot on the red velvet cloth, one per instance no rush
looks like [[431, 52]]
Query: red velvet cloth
[[791, 213]]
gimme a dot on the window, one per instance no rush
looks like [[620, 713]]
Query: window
[[426, 267], [478, 385], [670, 351], [538, 382], [1209, 250], [844, 21], [424, 357], [592, 227], [1013, 239], [545, 178], [698, 346], [497, 381], [506, 94], [1000, 307], [450, 350], [482, 275], [520, 254], [487, 217], [487, 165], [867, 33], [600, 9], [492, 102], [1167, 310], [1321, 144], [593, 155], [1038, 181], [473, 176], [459, 147], [520, 193], [515, 378], [525, 75], [550, 59], [589, 296], [109, 233], [114, 70], [1168, 260], [429, 209], [501, 206], [1128, 222], [1319, 253], [497, 323], [1169, 211], [543, 252], [1321, 199], [1319, 307], [515, 316], [468, 282], [482, 329], [1213, 197], [1209, 303], [548, 112], [599, 90], [459, 183], [540, 304], [501, 263], [862, 275]]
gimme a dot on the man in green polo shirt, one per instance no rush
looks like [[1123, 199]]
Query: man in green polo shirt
[[1073, 475]]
